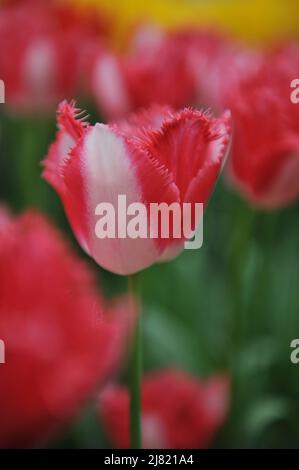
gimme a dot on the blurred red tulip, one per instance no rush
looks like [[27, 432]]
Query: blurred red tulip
[[60, 343], [264, 163], [157, 156], [154, 71], [180, 68], [178, 411], [218, 64], [44, 48]]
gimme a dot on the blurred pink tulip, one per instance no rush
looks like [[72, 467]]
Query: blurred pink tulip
[[155, 70], [178, 411], [61, 341], [264, 162], [44, 49]]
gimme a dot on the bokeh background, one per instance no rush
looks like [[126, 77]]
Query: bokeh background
[[231, 306]]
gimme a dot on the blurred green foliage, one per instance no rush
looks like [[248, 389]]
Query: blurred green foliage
[[232, 305]]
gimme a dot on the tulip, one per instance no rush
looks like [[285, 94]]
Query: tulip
[[178, 411], [218, 64], [61, 343], [156, 156], [43, 62], [264, 163], [154, 71]]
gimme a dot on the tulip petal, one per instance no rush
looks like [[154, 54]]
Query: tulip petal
[[192, 148], [186, 142], [102, 169], [216, 150], [71, 128], [109, 87], [53, 164]]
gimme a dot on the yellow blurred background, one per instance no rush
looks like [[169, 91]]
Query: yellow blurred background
[[258, 21]]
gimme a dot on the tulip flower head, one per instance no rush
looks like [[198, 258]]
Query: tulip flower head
[[218, 64], [264, 163], [178, 411], [43, 46], [156, 156], [60, 342], [154, 71]]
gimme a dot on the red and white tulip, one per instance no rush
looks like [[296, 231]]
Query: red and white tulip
[[156, 156]]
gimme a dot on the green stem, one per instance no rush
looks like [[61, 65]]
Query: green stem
[[241, 244], [135, 369]]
